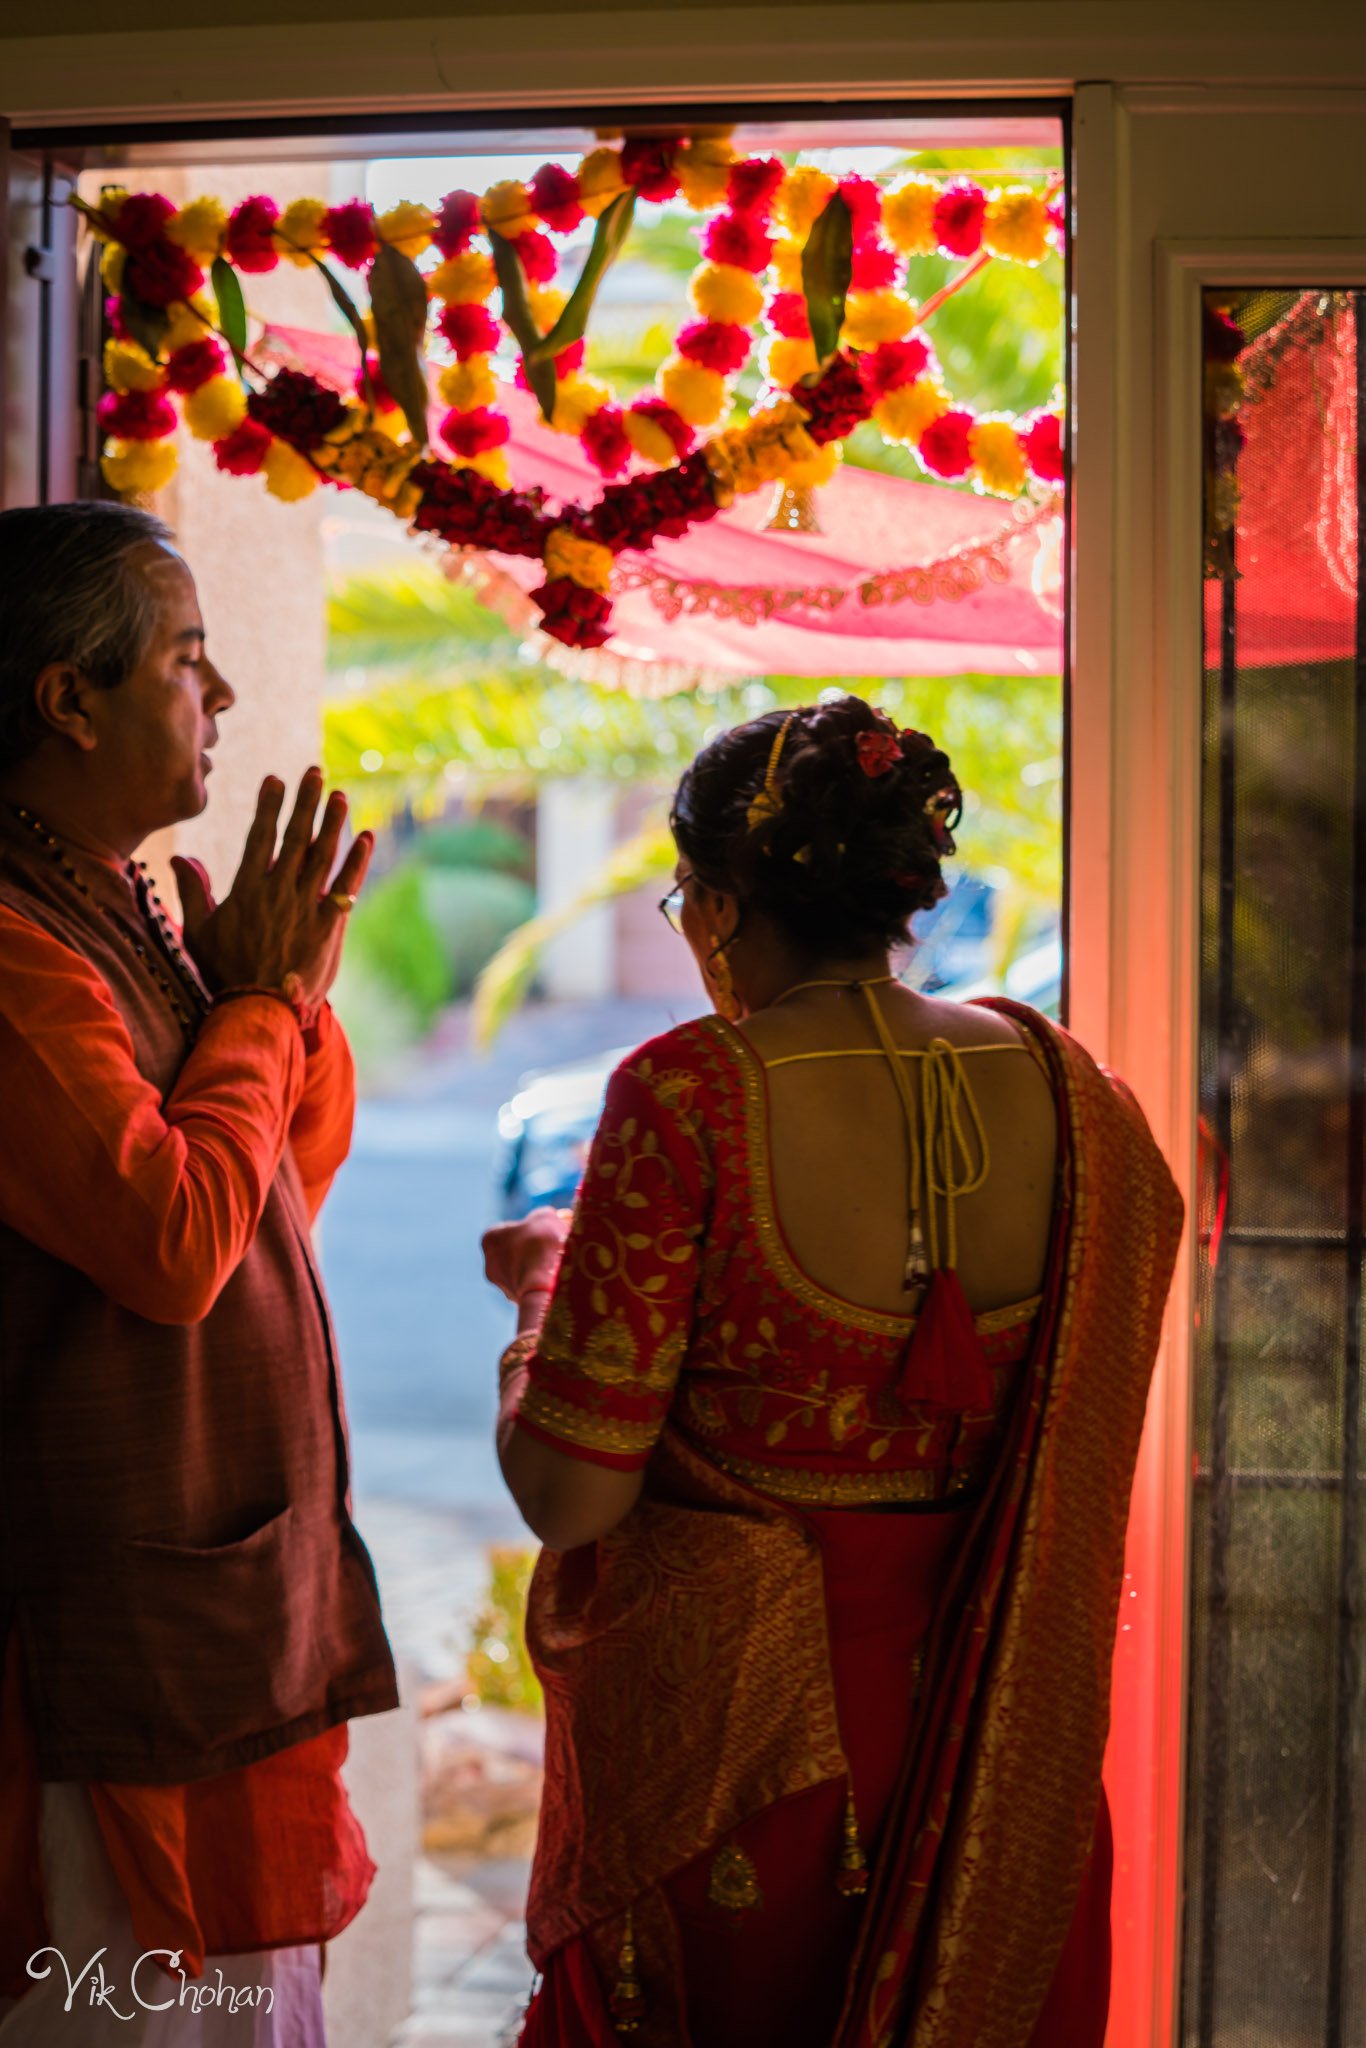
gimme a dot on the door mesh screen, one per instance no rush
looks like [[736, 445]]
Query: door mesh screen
[[1275, 1938]]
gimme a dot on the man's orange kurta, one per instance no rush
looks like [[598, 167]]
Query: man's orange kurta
[[157, 1199]]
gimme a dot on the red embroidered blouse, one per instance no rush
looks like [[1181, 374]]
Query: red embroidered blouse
[[678, 1295]]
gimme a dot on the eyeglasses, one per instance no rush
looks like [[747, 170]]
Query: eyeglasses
[[671, 906]]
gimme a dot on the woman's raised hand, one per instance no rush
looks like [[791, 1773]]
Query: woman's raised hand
[[282, 922], [520, 1258]]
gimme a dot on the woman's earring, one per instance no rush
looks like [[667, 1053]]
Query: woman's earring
[[723, 994]]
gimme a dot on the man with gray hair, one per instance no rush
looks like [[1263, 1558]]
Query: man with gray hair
[[188, 1618]]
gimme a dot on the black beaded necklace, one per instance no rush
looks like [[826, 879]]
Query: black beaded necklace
[[186, 995]]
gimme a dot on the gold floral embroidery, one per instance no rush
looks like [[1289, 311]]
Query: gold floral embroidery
[[803, 1486], [577, 1426]]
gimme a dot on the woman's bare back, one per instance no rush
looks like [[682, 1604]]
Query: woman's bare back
[[838, 1155]]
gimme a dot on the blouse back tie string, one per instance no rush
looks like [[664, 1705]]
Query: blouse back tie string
[[948, 1156]]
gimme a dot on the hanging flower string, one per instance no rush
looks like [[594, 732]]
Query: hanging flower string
[[178, 352]]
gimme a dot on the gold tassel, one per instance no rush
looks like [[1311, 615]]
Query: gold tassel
[[853, 1872], [627, 2000]]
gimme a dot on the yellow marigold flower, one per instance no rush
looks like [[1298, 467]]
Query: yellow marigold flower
[[288, 475], [493, 464], [871, 317], [696, 394], [139, 467], [463, 280], [406, 227], [998, 457], [576, 400], [468, 384], [722, 291], [802, 198], [908, 216], [787, 265], [649, 439], [703, 167], [600, 180], [586, 562], [789, 360], [110, 200], [186, 324], [199, 227], [546, 304], [904, 414], [819, 470], [111, 265], [762, 451], [215, 409], [128, 367], [506, 208], [300, 231], [1016, 225]]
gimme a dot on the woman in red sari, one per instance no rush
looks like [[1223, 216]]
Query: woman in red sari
[[826, 1405]]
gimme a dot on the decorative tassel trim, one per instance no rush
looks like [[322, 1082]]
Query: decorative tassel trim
[[628, 2000], [852, 1880]]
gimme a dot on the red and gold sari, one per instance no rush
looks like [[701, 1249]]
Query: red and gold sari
[[818, 1778]]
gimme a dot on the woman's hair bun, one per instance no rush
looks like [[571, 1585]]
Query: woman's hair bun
[[828, 819]]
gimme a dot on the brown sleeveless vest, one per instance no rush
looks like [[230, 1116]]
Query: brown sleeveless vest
[[176, 1550]]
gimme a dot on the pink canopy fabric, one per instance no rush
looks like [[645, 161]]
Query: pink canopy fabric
[[985, 600]]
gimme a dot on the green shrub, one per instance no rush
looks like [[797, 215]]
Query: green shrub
[[394, 939], [475, 843], [498, 1667], [472, 912]]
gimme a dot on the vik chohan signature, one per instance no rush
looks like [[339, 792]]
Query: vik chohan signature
[[144, 1983]]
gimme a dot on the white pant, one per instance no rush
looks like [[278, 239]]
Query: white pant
[[93, 1951]]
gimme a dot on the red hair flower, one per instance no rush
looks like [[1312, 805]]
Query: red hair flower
[[739, 239], [162, 274], [137, 415], [350, 232], [864, 202], [716, 344], [189, 367], [959, 212], [474, 432], [787, 316], [649, 166], [753, 184], [249, 238], [457, 218], [892, 364], [555, 197], [944, 446], [604, 441], [242, 452], [878, 753]]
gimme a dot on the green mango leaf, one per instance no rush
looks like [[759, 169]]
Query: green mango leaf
[[147, 324], [827, 267], [540, 372], [398, 305], [346, 306], [609, 236], [232, 312]]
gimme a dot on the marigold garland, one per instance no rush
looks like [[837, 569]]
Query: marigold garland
[[168, 363]]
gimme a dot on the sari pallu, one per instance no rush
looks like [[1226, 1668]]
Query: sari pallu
[[689, 1686]]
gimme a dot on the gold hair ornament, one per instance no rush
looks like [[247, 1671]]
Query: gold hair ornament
[[769, 802]]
